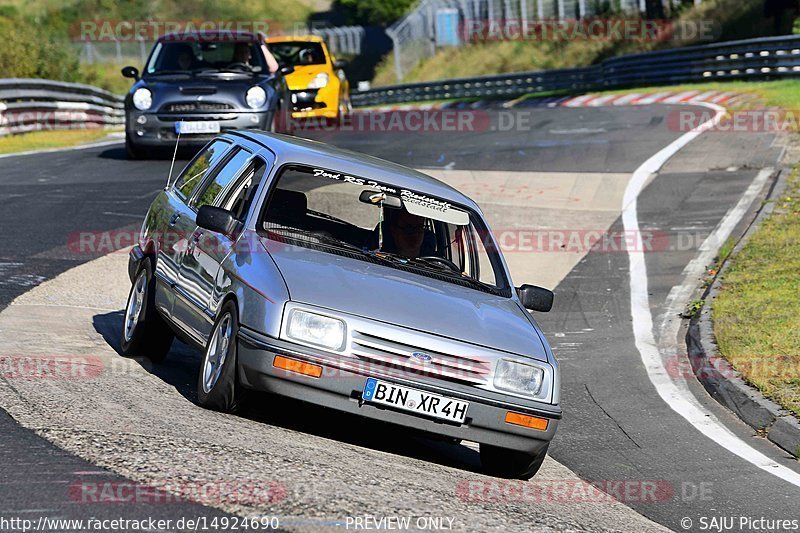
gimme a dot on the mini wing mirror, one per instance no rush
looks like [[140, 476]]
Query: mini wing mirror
[[340, 63], [131, 72], [535, 298], [374, 197], [217, 220], [288, 69]]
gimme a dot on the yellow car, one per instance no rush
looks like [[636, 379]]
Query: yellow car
[[318, 86]]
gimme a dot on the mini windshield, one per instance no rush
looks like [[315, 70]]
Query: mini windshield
[[410, 230], [204, 56]]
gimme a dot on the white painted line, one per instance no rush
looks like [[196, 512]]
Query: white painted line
[[66, 149], [680, 97], [627, 99], [578, 101], [679, 399], [721, 98], [705, 97], [603, 100], [653, 98]]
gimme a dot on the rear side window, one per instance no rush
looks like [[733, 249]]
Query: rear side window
[[194, 173], [223, 178]]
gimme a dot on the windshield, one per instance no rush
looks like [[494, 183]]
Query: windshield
[[342, 214], [298, 53], [187, 57]]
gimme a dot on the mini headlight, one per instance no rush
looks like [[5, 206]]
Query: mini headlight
[[315, 329], [519, 377], [142, 99], [256, 97], [319, 81]]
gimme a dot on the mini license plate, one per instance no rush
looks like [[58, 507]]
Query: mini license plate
[[196, 126], [414, 401]]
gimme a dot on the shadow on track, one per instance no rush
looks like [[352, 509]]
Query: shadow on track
[[180, 370]]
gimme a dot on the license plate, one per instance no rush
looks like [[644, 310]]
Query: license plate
[[414, 401], [196, 126]]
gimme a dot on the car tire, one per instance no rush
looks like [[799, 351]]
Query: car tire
[[217, 382], [131, 150], [144, 332], [512, 464]]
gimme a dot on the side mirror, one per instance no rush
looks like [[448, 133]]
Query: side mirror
[[340, 63], [131, 72], [217, 220], [287, 70], [535, 298]]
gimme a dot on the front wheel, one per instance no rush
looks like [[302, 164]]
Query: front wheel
[[144, 332], [131, 150], [217, 384], [512, 464]]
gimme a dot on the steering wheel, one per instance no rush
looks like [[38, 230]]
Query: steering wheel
[[441, 261], [241, 66]]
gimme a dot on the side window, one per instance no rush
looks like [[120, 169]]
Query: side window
[[223, 178], [241, 195], [194, 173]]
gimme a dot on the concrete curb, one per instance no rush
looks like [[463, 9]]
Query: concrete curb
[[719, 378]]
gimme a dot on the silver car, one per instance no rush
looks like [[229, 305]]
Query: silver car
[[349, 282]]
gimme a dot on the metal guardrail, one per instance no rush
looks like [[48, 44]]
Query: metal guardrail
[[32, 104], [752, 59]]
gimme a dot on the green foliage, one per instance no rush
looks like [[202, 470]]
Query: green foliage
[[29, 52], [372, 12]]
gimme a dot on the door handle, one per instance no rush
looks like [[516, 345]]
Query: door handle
[[174, 219]]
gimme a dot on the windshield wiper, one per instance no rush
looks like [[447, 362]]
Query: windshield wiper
[[171, 73]]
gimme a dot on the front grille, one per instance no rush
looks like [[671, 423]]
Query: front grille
[[392, 354], [195, 107]]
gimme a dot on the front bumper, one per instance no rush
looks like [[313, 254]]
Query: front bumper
[[313, 103], [158, 129], [342, 382]]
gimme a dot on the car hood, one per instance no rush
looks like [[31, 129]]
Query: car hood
[[393, 296], [303, 74]]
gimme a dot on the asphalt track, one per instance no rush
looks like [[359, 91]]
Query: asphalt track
[[615, 426]]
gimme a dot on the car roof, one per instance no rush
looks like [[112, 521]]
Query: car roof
[[295, 38], [290, 149], [210, 35]]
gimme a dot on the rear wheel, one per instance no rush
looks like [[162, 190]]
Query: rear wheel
[[144, 332], [501, 462], [217, 384]]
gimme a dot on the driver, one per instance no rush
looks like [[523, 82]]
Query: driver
[[405, 234], [242, 54]]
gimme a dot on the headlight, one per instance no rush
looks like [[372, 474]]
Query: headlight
[[316, 329], [256, 97], [142, 99], [521, 378], [319, 81]]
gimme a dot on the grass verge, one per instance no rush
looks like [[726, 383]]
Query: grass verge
[[757, 313], [40, 140]]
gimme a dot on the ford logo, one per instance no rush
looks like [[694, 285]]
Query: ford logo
[[422, 357]]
